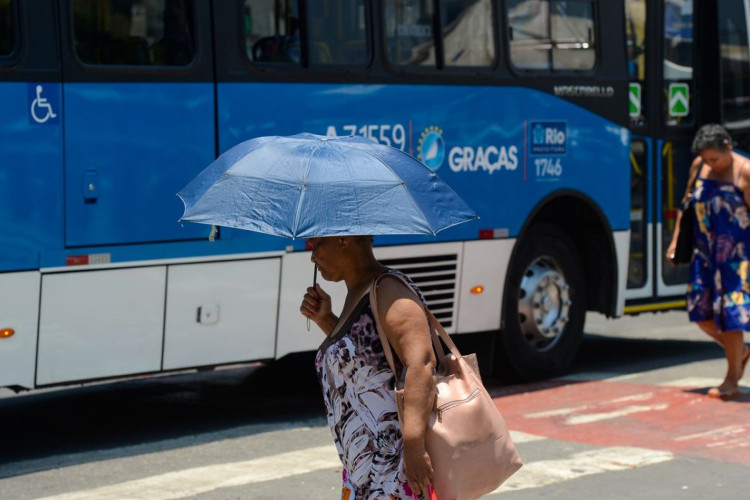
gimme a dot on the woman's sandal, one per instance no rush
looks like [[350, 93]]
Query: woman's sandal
[[717, 393]]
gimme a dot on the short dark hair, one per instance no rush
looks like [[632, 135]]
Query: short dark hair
[[711, 135]]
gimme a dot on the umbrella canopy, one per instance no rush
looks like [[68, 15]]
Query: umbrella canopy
[[308, 185]]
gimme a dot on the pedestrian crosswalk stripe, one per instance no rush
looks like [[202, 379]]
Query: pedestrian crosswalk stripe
[[695, 382], [519, 437], [191, 482], [612, 459], [199, 480]]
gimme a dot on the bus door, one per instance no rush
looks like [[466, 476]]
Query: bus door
[[139, 121], [663, 118], [31, 169]]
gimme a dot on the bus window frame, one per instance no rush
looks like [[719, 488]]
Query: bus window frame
[[305, 70], [440, 68], [12, 58], [200, 68], [551, 72]]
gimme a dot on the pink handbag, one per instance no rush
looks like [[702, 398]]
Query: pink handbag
[[471, 450]]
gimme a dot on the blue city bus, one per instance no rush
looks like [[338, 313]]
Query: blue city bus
[[109, 107]]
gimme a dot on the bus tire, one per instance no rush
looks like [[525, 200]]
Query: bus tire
[[544, 306]]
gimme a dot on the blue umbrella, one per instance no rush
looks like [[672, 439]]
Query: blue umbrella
[[309, 185]]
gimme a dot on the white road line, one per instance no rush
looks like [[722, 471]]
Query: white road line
[[596, 417], [519, 437], [696, 382], [190, 482], [547, 472], [557, 412]]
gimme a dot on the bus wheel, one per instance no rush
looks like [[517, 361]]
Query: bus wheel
[[545, 306]]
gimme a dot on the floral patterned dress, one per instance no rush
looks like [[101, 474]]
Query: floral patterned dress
[[357, 386], [718, 287]]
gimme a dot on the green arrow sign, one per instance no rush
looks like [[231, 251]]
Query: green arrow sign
[[634, 94], [679, 101]]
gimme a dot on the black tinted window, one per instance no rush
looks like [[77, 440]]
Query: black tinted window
[[337, 32], [272, 31], [409, 33], [7, 29], [735, 61], [134, 32]]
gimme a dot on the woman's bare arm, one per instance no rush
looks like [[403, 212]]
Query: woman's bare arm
[[405, 324]]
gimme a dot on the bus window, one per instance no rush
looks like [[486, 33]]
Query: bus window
[[468, 32], [678, 60], [337, 32], [7, 32], [408, 32], [635, 23], [272, 31], [134, 32], [735, 68], [552, 35]]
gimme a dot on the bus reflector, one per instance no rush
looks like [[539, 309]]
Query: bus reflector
[[477, 290], [7, 333], [490, 234]]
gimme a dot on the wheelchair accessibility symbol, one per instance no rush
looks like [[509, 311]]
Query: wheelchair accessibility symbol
[[43, 103]]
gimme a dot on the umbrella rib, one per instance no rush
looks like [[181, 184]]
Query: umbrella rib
[[408, 193], [295, 226]]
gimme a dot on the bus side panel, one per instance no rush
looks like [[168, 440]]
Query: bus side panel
[[19, 310], [130, 147], [485, 263], [30, 173], [221, 312], [101, 324]]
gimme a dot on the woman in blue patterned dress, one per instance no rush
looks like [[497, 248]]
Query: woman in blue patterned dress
[[381, 459], [718, 294]]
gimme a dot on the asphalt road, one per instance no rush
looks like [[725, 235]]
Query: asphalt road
[[630, 421]]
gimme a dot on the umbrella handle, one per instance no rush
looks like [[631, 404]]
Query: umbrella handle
[[315, 281]]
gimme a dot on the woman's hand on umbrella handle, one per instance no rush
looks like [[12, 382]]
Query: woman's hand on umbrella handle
[[316, 305]]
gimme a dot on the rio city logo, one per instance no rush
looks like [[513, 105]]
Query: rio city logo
[[548, 138], [431, 149]]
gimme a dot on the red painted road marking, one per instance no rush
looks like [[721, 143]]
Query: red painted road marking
[[680, 420]]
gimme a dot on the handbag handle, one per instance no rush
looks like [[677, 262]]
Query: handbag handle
[[694, 174], [437, 332]]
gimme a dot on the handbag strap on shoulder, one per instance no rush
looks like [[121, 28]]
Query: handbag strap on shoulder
[[694, 174], [437, 331]]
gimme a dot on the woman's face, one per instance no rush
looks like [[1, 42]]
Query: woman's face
[[718, 160], [326, 253]]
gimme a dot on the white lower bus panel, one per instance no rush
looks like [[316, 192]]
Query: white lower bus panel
[[19, 311], [221, 312], [100, 324]]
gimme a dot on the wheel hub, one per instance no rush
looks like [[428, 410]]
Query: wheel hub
[[544, 304]]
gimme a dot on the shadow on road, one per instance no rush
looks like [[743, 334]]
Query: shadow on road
[[45, 429], [76, 425]]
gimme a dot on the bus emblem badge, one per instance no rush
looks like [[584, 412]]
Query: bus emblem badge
[[431, 147]]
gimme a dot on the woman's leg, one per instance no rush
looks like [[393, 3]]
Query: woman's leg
[[737, 356], [709, 326]]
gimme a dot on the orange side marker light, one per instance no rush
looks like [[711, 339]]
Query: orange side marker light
[[477, 290], [7, 333]]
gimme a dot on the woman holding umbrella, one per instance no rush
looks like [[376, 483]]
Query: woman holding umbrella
[[331, 190], [381, 459]]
